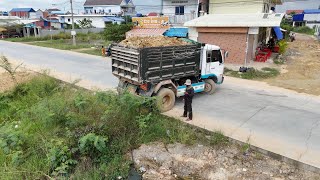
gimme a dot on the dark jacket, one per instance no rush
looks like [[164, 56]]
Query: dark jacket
[[190, 93]]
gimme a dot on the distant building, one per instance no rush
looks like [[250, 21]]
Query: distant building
[[180, 12], [24, 13], [4, 13], [98, 20], [292, 12], [116, 7], [312, 18], [39, 14]]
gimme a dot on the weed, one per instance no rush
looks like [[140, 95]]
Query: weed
[[8, 67], [253, 73], [218, 139]]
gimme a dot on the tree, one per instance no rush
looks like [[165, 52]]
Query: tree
[[85, 23], [116, 32]]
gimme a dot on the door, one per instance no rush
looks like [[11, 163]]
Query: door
[[214, 65]]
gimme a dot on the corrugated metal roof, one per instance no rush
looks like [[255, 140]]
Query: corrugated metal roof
[[311, 11], [236, 20], [22, 10], [102, 2], [146, 32], [177, 32], [294, 11]]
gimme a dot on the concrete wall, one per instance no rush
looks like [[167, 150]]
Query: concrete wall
[[230, 39], [97, 21], [54, 32], [190, 10], [236, 6]]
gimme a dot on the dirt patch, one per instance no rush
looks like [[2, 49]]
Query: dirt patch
[[7, 83], [159, 161], [157, 41], [303, 67]]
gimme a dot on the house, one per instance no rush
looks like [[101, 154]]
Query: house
[[179, 11], [238, 28], [115, 7], [23, 13], [39, 14], [242, 7], [312, 18], [98, 20]]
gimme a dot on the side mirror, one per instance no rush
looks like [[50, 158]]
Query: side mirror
[[226, 54]]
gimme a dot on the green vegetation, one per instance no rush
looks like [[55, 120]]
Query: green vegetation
[[53, 130], [304, 30], [116, 32], [60, 44], [253, 73], [283, 45]]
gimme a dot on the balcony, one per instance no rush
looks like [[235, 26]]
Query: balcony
[[179, 20]]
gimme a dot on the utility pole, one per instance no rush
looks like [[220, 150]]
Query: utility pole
[[73, 32]]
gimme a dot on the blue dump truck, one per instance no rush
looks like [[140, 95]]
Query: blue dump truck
[[162, 71]]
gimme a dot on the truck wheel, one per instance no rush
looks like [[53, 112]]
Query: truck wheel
[[210, 86], [166, 99]]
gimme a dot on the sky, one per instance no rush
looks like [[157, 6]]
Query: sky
[[7, 5], [142, 5]]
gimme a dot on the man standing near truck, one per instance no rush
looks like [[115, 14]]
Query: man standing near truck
[[188, 95]]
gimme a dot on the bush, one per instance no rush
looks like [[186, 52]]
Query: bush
[[283, 45], [304, 30], [116, 32]]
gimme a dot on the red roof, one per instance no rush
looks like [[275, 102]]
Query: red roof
[[153, 14], [296, 11], [146, 32]]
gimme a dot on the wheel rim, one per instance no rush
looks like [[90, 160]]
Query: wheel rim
[[166, 101], [207, 87]]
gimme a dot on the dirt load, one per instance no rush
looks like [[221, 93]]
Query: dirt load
[[156, 41], [302, 68], [178, 161]]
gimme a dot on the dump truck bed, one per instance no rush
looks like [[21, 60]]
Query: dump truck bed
[[155, 64]]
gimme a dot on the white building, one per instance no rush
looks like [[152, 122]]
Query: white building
[[312, 18], [98, 20], [117, 7], [180, 11]]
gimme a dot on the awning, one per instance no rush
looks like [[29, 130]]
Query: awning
[[177, 32], [237, 20], [113, 19], [145, 32], [278, 32]]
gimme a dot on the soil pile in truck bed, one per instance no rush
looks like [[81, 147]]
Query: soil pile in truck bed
[[156, 41]]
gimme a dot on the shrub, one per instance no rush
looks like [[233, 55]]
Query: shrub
[[283, 45], [116, 32], [304, 29]]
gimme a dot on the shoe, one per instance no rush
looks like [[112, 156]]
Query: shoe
[[188, 119]]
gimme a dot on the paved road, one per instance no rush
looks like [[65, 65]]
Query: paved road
[[272, 118]]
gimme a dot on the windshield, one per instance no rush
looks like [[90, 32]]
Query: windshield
[[216, 56]]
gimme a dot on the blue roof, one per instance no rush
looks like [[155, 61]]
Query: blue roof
[[22, 10], [311, 11], [111, 19], [177, 32]]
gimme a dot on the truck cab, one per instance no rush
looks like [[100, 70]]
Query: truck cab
[[212, 63]]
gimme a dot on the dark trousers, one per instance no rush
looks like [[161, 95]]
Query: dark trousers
[[188, 109]]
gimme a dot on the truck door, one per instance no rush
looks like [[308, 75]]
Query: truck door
[[214, 64]]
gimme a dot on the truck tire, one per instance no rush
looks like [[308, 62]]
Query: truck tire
[[166, 99], [210, 86]]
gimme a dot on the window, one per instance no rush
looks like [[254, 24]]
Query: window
[[109, 10], [69, 20], [216, 56], [179, 10], [209, 55]]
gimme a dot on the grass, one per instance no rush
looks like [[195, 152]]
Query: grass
[[53, 130], [92, 51], [60, 44], [253, 73]]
